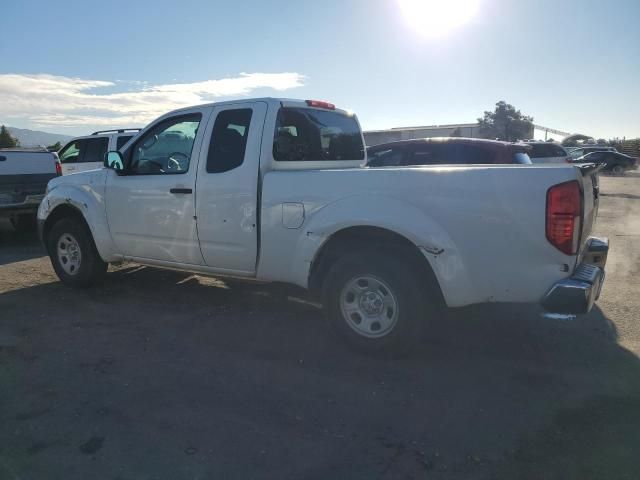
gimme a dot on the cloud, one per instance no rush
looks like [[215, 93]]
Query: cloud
[[49, 100]]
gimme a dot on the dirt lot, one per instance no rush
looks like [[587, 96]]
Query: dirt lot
[[162, 375]]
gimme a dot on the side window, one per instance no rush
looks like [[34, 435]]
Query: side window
[[228, 140], [307, 134], [121, 140], [433, 154], [535, 151], [166, 148], [472, 155], [72, 152], [96, 149], [558, 151]]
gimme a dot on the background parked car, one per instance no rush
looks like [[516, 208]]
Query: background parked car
[[578, 152], [547, 152], [446, 151], [615, 162], [87, 153]]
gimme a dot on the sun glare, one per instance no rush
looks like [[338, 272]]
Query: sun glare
[[434, 18]]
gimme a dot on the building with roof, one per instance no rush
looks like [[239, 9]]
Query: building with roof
[[468, 130]]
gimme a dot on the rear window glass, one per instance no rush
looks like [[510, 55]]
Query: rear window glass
[[538, 151], [541, 150], [470, 154], [433, 154], [305, 134]]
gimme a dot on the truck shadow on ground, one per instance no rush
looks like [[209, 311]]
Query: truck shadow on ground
[[18, 246], [166, 373]]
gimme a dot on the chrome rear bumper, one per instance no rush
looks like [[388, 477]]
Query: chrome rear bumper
[[578, 293]]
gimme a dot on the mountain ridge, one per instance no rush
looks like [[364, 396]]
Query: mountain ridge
[[35, 138]]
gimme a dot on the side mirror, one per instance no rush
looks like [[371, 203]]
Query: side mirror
[[113, 160]]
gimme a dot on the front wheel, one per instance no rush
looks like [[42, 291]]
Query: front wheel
[[73, 254], [376, 303]]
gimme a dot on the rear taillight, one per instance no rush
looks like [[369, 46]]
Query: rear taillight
[[568, 160], [564, 213], [58, 169]]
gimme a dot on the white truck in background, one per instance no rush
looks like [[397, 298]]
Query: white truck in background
[[275, 190], [24, 174]]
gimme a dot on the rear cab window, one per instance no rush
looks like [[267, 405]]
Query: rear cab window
[[309, 134]]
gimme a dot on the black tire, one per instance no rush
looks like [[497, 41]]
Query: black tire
[[415, 303], [91, 269], [24, 223], [617, 170]]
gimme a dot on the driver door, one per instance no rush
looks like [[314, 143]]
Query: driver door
[[151, 205]]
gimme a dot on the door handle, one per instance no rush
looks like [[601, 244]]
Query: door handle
[[181, 190]]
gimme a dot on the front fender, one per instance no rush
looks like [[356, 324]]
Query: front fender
[[90, 204]]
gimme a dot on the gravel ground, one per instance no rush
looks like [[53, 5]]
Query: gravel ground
[[164, 375]]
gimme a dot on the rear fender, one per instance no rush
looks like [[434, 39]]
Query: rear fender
[[391, 214]]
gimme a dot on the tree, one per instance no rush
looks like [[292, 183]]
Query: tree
[[55, 147], [457, 132], [6, 139], [506, 123]]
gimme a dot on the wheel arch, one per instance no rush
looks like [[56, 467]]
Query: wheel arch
[[58, 213], [355, 239]]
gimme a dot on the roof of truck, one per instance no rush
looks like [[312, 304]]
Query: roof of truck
[[284, 101]]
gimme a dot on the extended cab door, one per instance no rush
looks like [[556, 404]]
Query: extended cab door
[[227, 186], [151, 205]]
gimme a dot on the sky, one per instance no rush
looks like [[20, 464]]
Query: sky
[[72, 67]]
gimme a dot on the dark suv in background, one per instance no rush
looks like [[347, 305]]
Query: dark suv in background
[[446, 151], [614, 161]]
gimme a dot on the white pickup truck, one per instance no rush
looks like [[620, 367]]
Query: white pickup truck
[[275, 190]]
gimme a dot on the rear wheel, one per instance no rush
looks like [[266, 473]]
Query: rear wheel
[[617, 170], [24, 223], [376, 303], [73, 254]]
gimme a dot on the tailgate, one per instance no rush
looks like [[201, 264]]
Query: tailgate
[[24, 174], [590, 192]]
